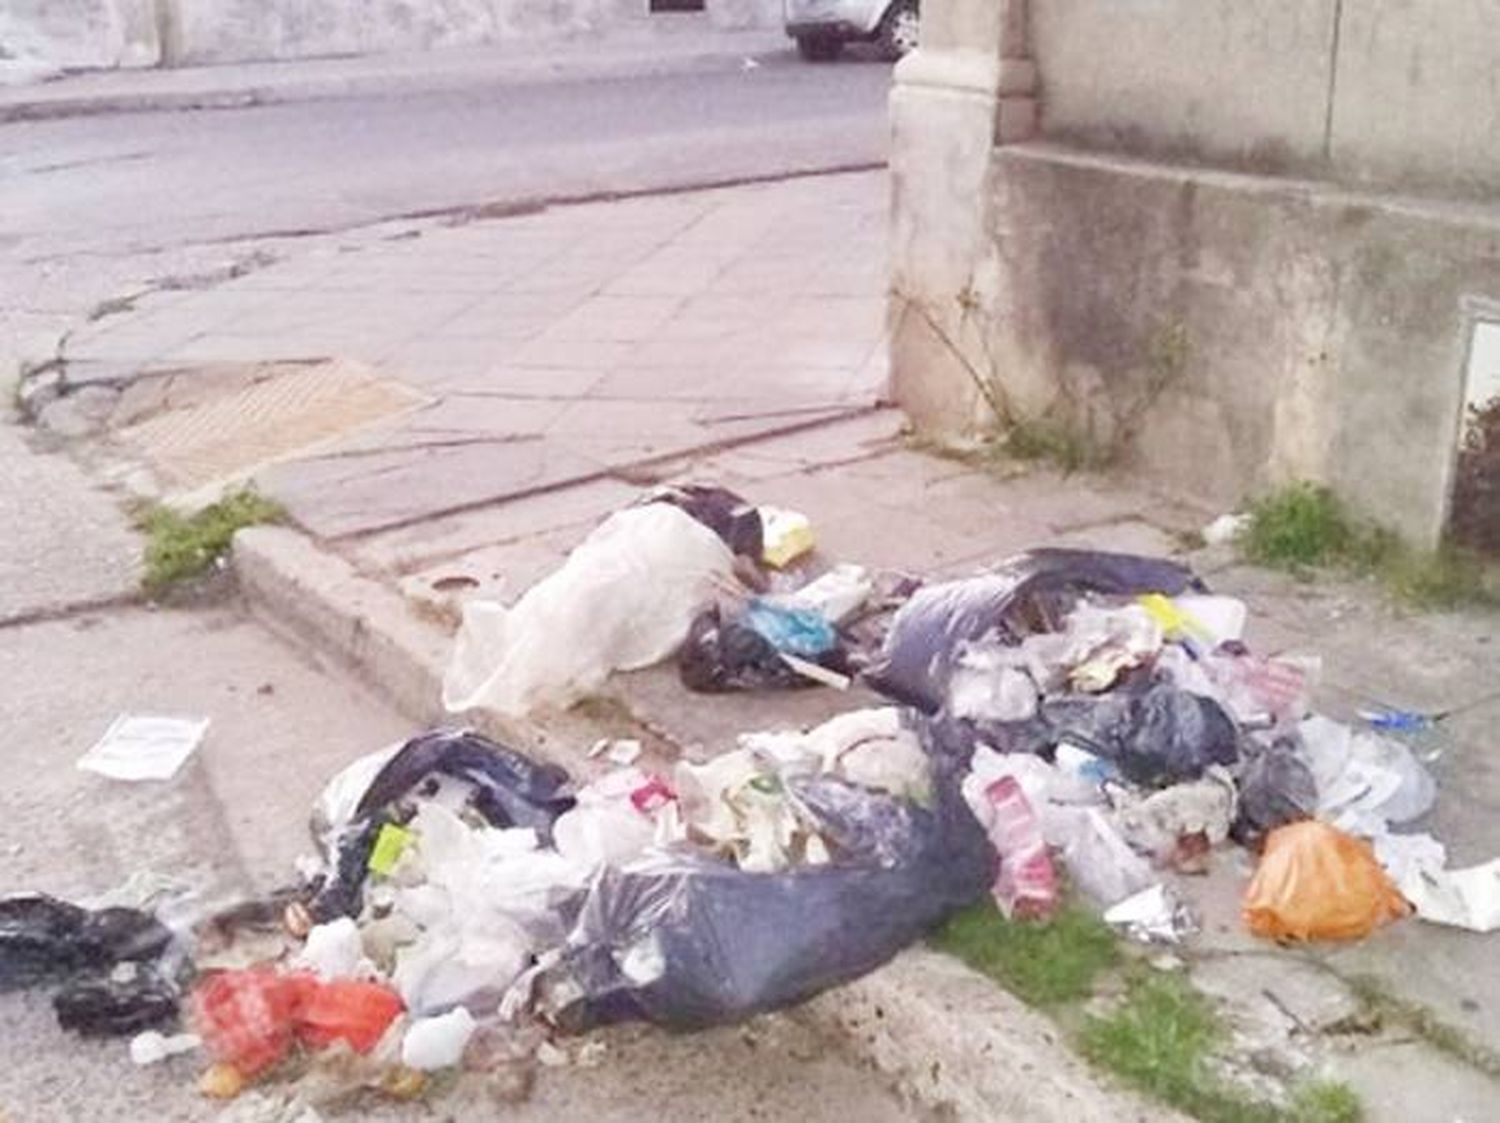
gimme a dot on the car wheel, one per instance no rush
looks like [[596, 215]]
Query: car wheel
[[819, 48], [901, 29]]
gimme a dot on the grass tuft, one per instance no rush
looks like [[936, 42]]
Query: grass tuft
[[182, 547], [1042, 964], [1062, 446], [1303, 526], [1161, 1040], [1326, 1101]]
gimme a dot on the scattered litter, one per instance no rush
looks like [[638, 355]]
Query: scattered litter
[[43, 940], [1225, 529], [151, 1047], [1153, 916], [1364, 781], [119, 1004], [550, 1055], [1468, 898], [735, 521], [1102, 865], [436, 1043], [762, 647], [1157, 823], [836, 596], [1068, 715], [335, 950], [1400, 721], [1030, 593], [1026, 883], [1315, 882], [625, 598], [788, 536], [144, 747]]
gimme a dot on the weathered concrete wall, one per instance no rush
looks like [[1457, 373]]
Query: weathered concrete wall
[[1418, 93], [1246, 246], [80, 33], [1242, 81], [1366, 91], [1244, 331]]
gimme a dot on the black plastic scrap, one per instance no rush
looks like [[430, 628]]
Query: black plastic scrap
[[686, 941], [1276, 787], [43, 939], [722, 655], [1027, 594], [734, 520], [47, 941], [508, 789], [110, 1007]]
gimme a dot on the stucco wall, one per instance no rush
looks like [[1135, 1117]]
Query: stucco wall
[[1367, 91], [80, 33], [1322, 333], [1237, 80], [1418, 96]]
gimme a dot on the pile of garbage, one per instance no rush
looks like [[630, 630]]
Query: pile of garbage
[[1066, 722]]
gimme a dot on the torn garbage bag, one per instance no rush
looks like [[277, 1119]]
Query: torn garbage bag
[[745, 651], [688, 942], [1155, 733], [1027, 594], [624, 599], [502, 786]]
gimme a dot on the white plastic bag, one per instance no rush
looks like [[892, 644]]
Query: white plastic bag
[[434, 1043], [624, 598]]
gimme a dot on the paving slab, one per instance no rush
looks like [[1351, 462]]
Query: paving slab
[[67, 542]]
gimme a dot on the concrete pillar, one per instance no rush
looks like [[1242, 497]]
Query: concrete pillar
[[970, 86]]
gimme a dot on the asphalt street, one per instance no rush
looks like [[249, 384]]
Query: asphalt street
[[141, 183]]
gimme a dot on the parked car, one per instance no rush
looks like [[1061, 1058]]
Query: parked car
[[822, 27]]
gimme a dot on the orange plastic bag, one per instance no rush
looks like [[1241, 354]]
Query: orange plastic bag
[[247, 1018], [1315, 882], [346, 1010]]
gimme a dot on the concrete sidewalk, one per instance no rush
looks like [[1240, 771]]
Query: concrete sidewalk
[[619, 52], [447, 410]]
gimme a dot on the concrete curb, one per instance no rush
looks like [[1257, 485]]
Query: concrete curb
[[223, 88], [954, 1041]]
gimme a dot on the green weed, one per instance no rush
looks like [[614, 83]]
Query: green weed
[[1161, 1040], [1326, 1101], [182, 547], [1304, 526], [1042, 964], [1061, 445], [1299, 526]]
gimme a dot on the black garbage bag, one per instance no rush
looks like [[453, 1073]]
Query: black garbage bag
[[685, 941], [1276, 787], [105, 1006], [1156, 733], [508, 788], [722, 511], [722, 654], [1027, 594], [43, 939]]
